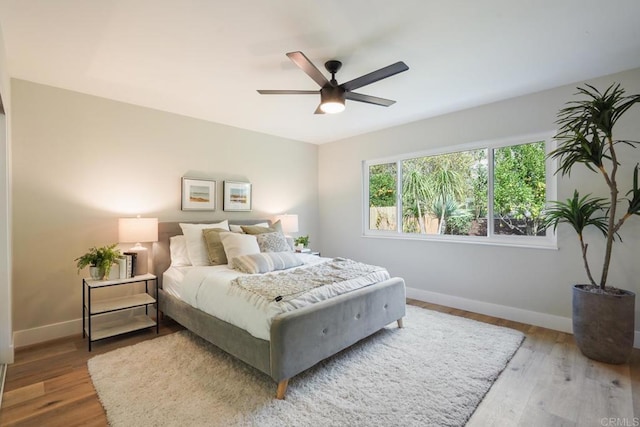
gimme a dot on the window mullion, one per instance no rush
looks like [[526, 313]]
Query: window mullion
[[490, 176], [399, 218], [366, 199]]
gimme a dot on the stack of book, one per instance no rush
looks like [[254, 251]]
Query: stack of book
[[127, 265]]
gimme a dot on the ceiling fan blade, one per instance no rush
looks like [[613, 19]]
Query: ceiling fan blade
[[368, 99], [318, 111], [374, 76], [307, 66], [288, 92]]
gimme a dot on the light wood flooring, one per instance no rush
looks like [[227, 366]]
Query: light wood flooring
[[547, 383]]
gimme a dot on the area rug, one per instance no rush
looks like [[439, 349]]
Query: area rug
[[434, 371]]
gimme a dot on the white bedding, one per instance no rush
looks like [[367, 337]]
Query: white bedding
[[210, 293]]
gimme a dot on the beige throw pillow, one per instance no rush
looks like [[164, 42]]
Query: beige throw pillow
[[257, 229], [195, 241], [215, 249], [238, 228]]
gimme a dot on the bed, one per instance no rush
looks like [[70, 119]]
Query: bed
[[298, 339]]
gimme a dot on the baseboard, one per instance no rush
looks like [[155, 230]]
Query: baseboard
[[46, 333], [62, 329], [535, 318]]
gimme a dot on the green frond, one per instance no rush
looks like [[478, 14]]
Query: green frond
[[586, 127], [634, 200], [579, 212]]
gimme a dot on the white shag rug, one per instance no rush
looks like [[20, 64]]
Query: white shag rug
[[434, 371]]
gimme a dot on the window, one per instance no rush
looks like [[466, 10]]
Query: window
[[491, 192], [519, 189], [383, 179]]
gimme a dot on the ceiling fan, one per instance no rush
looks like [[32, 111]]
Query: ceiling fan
[[333, 95]]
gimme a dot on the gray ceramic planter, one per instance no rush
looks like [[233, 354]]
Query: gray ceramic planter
[[603, 325]]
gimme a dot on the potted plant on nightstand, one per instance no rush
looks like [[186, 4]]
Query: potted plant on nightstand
[[99, 260], [603, 316], [301, 242]]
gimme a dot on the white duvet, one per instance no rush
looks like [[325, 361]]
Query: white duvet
[[208, 289]]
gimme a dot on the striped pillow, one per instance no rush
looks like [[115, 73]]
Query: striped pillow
[[265, 262]]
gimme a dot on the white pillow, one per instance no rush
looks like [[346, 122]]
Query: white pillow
[[236, 244], [238, 228], [178, 250], [196, 247], [235, 228]]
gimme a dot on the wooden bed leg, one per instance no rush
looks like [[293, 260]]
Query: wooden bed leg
[[401, 323], [282, 389]]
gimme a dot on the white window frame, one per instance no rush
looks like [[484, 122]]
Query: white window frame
[[548, 241]]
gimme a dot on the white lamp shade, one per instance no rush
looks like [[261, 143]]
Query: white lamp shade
[[137, 230], [289, 223]]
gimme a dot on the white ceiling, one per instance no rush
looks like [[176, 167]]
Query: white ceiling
[[206, 58]]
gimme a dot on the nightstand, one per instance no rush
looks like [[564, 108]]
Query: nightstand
[[97, 329], [308, 252]]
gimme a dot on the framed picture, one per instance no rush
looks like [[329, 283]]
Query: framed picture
[[237, 196], [198, 194]]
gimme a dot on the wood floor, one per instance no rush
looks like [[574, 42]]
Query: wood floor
[[547, 383]]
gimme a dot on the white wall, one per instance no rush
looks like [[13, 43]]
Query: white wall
[[530, 285], [6, 336], [80, 162]]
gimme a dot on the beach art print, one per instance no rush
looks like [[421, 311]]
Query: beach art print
[[237, 196], [198, 194]]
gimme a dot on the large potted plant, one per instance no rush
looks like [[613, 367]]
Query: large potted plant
[[603, 316], [99, 260]]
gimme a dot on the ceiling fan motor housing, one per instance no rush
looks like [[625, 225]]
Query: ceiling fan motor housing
[[331, 93]]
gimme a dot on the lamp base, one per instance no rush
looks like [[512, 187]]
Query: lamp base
[[142, 259]]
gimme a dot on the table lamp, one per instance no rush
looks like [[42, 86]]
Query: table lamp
[[289, 223], [138, 230]]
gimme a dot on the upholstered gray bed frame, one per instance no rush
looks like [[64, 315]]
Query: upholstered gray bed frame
[[300, 338]]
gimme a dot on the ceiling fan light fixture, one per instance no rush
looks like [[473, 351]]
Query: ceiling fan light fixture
[[332, 107], [332, 100]]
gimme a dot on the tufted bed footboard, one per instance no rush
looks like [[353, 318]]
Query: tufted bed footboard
[[300, 338], [306, 336]]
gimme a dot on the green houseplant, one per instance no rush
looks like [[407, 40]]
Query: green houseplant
[[603, 316], [302, 240], [100, 259]]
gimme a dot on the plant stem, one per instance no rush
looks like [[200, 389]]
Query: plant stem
[[613, 187], [584, 247], [621, 221]]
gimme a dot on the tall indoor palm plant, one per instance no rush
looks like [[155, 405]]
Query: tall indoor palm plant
[[585, 136]]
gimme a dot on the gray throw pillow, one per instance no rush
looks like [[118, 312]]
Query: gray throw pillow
[[273, 242]]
